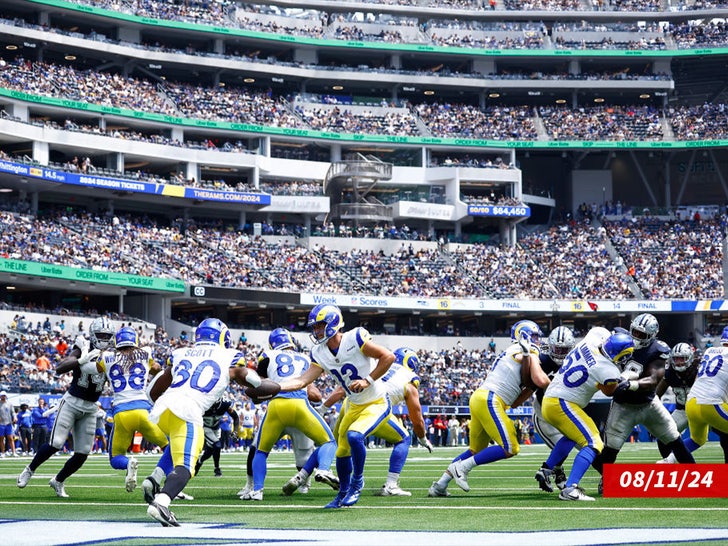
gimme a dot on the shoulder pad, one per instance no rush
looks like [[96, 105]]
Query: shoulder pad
[[661, 346]]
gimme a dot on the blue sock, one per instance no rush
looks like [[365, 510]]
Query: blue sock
[[582, 462], [560, 452], [490, 454], [358, 453], [260, 462], [343, 469], [312, 461], [325, 455], [165, 461], [119, 462], [399, 456], [464, 455], [691, 445]]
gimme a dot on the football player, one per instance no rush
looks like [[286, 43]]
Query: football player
[[680, 373], [287, 409], [212, 420], [196, 378], [77, 409], [127, 366], [637, 404], [587, 368], [401, 383], [707, 404], [560, 343], [357, 363], [502, 388], [249, 425]]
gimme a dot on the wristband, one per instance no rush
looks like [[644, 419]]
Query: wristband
[[253, 379], [369, 379], [634, 385]]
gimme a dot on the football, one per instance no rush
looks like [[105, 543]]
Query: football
[[267, 390]]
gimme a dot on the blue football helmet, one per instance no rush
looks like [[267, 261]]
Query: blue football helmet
[[644, 329], [331, 318], [212, 330], [724, 336], [527, 329], [406, 357], [126, 337], [280, 338], [101, 332], [618, 348]]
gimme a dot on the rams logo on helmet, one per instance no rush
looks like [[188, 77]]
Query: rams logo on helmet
[[212, 330], [325, 321], [618, 348], [281, 339], [126, 337]]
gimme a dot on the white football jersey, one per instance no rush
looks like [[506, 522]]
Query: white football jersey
[[504, 377], [396, 381], [200, 375], [285, 364], [583, 368], [711, 384], [350, 364], [128, 379]]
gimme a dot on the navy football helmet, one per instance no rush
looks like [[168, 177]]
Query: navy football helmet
[[280, 338], [126, 337], [212, 330], [681, 357], [618, 348], [327, 315], [644, 329], [561, 342], [101, 332]]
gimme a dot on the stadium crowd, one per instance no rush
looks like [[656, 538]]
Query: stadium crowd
[[440, 119], [574, 260]]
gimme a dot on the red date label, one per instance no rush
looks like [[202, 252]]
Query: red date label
[[666, 480]]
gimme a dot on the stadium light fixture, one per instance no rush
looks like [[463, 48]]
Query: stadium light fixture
[[249, 80], [560, 101], [9, 287], [493, 95], [599, 100], [429, 92], [337, 87], [70, 57], [11, 47], [645, 96]]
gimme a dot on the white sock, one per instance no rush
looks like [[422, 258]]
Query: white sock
[[393, 477], [163, 500]]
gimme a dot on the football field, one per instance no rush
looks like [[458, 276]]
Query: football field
[[504, 506]]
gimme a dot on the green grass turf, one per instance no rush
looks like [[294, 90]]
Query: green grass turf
[[504, 496]]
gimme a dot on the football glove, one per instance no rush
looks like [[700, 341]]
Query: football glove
[[88, 356], [425, 442], [525, 344], [625, 385]]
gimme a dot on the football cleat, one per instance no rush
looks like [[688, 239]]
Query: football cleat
[[150, 488], [543, 477], [393, 490], [131, 474], [670, 459], [245, 490], [559, 477], [354, 492], [293, 484], [184, 496], [336, 503], [58, 488], [217, 473], [327, 477], [24, 477], [574, 493], [436, 490], [162, 515], [305, 487], [253, 495], [459, 474]]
